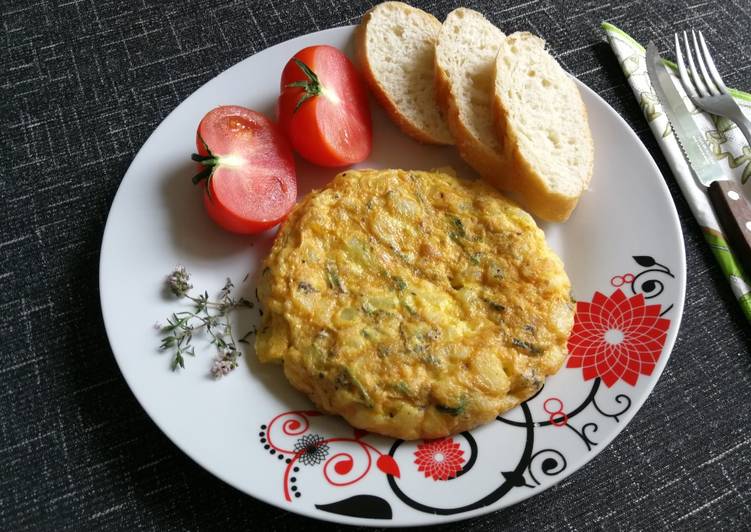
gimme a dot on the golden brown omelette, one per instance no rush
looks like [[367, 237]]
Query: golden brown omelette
[[413, 304]]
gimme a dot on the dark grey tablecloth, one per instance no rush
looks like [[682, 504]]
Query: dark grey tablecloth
[[84, 82]]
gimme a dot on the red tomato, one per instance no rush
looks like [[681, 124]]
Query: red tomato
[[323, 107], [248, 170]]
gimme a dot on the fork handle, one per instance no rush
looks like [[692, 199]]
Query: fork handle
[[734, 214]]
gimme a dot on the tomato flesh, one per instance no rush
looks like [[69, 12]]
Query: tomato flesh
[[333, 128], [253, 185]]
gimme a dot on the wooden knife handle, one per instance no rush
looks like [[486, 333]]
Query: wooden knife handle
[[734, 214]]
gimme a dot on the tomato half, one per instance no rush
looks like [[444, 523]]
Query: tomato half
[[323, 107], [247, 169]]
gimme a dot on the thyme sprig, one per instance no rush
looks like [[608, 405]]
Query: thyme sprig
[[207, 315]]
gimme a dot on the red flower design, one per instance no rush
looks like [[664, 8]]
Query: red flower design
[[616, 337], [439, 459]]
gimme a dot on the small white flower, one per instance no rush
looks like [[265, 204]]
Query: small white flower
[[177, 281], [224, 363], [220, 368]]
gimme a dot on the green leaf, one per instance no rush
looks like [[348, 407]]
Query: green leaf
[[306, 70], [311, 88], [455, 410], [647, 102], [630, 65], [332, 276], [723, 124], [209, 161], [347, 379], [399, 283], [457, 225], [203, 174], [532, 349]]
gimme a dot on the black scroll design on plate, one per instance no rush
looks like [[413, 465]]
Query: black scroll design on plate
[[365, 506], [549, 462], [510, 479], [621, 399], [563, 420], [583, 433], [557, 420], [472, 454], [650, 281], [532, 467]]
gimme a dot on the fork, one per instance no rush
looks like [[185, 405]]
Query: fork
[[705, 86]]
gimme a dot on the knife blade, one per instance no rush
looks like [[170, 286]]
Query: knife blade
[[690, 138], [725, 195]]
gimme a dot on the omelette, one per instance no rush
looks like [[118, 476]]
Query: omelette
[[413, 304]]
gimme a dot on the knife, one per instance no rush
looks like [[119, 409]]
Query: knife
[[725, 195]]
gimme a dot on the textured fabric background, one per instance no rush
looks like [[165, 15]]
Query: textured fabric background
[[85, 82]]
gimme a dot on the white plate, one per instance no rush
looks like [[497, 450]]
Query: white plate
[[157, 221]]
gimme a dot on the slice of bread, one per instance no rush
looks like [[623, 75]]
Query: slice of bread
[[395, 47], [464, 67], [542, 123]]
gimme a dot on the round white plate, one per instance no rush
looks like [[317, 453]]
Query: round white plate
[[622, 248]]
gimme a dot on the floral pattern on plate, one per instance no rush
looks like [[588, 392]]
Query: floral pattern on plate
[[616, 337]]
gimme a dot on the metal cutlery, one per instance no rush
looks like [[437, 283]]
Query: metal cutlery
[[726, 196], [705, 86]]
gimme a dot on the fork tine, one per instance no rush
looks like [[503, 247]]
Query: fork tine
[[698, 84], [711, 66], [704, 74], [685, 80]]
